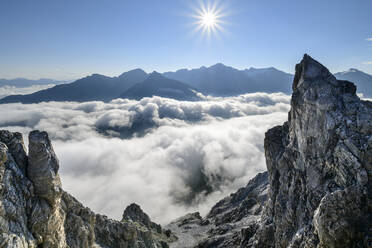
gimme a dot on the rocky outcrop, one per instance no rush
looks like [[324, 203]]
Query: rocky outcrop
[[36, 212], [319, 165], [223, 225], [134, 213], [15, 196]]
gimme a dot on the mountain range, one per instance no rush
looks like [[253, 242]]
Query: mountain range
[[95, 87], [217, 80], [224, 80]]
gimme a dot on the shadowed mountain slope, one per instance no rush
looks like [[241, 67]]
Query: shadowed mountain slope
[[224, 80], [92, 88], [158, 85], [362, 80]]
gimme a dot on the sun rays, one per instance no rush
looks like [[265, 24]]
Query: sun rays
[[209, 18]]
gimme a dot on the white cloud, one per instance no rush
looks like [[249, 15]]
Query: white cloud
[[127, 118], [12, 90], [180, 157], [369, 39], [168, 172], [367, 63]]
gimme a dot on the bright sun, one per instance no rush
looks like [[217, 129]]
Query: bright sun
[[209, 18]]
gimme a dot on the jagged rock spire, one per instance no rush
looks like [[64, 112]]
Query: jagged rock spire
[[310, 69], [43, 167], [134, 213], [319, 166]]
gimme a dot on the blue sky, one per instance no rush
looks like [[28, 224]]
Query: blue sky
[[73, 38]]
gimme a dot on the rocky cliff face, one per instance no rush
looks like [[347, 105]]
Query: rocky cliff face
[[36, 212], [319, 191], [223, 226], [319, 165]]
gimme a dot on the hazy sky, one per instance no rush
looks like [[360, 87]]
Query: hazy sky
[[72, 38]]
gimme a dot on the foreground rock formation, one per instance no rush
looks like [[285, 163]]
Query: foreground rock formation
[[319, 175], [36, 212], [320, 167]]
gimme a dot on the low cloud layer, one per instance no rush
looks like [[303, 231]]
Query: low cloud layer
[[12, 90], [169, 156]]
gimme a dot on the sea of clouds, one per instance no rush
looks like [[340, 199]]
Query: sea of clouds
[[171, 157], [12, 90]]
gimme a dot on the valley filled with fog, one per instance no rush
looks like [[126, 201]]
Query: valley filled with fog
[[13, 90], [171, 157]]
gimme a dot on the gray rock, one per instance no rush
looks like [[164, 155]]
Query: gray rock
[[14, 142], [43, 167], [134, 213], [227, 220], [319, 167], [36, 212], [15, 201]]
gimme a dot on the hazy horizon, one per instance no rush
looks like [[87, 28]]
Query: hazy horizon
[[150, 71]]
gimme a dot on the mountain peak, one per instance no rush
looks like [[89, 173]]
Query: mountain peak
[[155, 76], [134, 213], [155, 73], [158, 85], [218, 66], [318, 165], [310, 69], [96, 75], [137, 71], [351, 70]]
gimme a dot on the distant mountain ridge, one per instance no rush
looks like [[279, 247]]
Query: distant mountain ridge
[[362, 80], [220, 79], [217, 80], [92, 88], [158, 85]]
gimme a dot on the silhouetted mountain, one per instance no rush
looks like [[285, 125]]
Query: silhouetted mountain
[[24, 82], [95, 87], [224, 80], [362, 80], [158, 85]]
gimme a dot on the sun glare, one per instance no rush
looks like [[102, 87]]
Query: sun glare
[[209, 18]]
